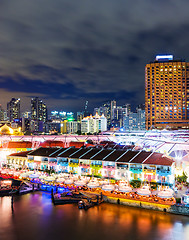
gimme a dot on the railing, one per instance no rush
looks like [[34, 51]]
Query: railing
[[149, 170], [163, 171], [135, 169], [96, 165]]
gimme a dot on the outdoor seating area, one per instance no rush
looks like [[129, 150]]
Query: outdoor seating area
[[120, 189]]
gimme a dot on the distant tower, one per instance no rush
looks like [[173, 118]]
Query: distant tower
[[38, 110], [113, 106], [86, 113], [13, 109], [2, 112]]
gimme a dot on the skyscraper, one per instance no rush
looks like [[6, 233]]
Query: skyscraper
[[13, 109], [167, 93], [38, 110], [1, 113]]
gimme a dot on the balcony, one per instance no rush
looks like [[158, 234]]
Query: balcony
[[135, 169], [71, 164], [163, 171], [84, 165], [149, 170], [96, 165], [109, 166]]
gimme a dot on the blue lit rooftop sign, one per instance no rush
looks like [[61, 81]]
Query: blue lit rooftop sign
[[164, 57]]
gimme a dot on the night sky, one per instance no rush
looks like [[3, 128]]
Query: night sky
[[67, 52]]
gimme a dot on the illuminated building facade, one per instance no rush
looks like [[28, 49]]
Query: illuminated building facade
[[13, 109], [2, 114], [94, 124], [135, 120], [117, 164], [167, 93]]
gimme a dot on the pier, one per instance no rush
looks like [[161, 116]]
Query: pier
[[84, 199]]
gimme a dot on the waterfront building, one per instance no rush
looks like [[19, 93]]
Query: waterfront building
[[18, 160], [110, 163], [167, 93], [94, 124], [13, 109]]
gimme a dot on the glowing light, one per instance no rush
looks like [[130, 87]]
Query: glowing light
[[62, 113], [164, 57], [54, 112]]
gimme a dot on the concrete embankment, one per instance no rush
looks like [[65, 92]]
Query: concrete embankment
[[182, 210]]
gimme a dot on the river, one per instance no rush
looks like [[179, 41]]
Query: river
[[34, 217]]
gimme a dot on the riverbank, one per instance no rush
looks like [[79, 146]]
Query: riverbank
[[174, 209]]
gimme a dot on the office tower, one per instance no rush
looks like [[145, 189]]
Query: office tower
[[13, 109], [26, 125], [38, 110], [2, 113], [113, 105], [107, 113], [127, 107], [119, 112], [167, 93], [80, 116], [26, 114], [135, 120]]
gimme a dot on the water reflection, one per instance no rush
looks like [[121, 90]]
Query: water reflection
[[36, 218]]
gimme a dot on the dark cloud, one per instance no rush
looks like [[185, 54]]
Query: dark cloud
[[69, 51]]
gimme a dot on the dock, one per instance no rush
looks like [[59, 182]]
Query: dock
[[84, 199], [27, 187]]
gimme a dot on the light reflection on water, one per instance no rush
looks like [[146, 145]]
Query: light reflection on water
[[35, 217]]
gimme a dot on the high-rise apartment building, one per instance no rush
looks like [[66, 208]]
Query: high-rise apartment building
[[113, 106], [38, 110], [167, 93], [135, 120], [106, 110], [94, 124], [2, 112], [13, 109]]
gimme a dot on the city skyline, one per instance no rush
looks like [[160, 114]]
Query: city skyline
[[70, 52]]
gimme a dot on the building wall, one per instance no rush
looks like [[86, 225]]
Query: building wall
[[166, 94], [126, 171]]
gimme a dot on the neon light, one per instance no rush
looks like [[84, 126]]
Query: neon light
[[62, 113], [161, 57]]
